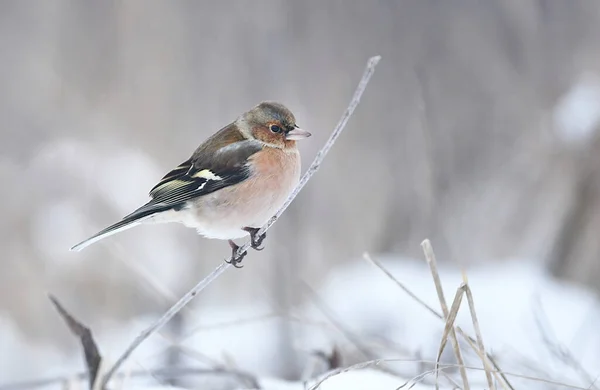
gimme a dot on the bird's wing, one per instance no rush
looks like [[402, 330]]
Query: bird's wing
[[201, 175], [219, 162]]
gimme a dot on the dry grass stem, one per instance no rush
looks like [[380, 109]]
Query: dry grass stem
[[421, 302], [561, 352], [593, 384], [472, 342], [477, 329], [431, 261], [450, 379], [188, 371], [449, 326], [442, 367], [370, 69]]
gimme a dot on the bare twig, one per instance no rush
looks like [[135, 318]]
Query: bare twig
[[370, 68], [412, 382], [561, 352], [90, 350], [431, 261], [163, 320], [192, 371], [217, 366], [377, 362], [241, 376], [316, 164], [338, 371], [472, 342]]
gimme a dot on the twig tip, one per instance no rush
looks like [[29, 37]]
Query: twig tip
[[374, 60]]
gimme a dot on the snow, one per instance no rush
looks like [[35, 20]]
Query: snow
[[512, 299], [523, 312], [155, 388], [363, 379]]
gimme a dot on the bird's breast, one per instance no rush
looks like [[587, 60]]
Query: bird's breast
[[222, 214]]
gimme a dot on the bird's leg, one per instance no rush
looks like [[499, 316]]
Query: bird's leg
[[235, 258], [256, 241]]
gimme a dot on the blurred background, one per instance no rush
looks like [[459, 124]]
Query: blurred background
[[479, 131]]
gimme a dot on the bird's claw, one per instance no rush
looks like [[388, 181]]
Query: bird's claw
[[236, 258], [255, 239], [255, 243]]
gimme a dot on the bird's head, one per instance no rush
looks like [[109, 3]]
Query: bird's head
[[272, 124]]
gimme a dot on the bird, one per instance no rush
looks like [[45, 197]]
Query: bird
[[231, 185]]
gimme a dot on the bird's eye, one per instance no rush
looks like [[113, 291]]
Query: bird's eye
[[275, 129]]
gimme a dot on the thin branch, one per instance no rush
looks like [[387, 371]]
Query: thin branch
[[90, 349], [431, 261], [412, 382], [378, 362], [370, 68], [341, 370], [163, 320], [241, 376], [191, 371], [246, 378], [316, 164]]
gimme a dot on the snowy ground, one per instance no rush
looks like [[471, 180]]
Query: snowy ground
[[532, 324]]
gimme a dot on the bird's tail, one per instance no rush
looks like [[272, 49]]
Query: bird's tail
[[134, 219]]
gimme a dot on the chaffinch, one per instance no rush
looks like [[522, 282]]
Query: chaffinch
[[233, 182]]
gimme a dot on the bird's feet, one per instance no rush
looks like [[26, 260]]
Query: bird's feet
[[256, 240], [236, 258]]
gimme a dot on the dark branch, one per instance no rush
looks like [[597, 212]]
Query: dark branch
[[90, 349]]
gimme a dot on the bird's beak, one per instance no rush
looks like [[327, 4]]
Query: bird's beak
[[297, 134]]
